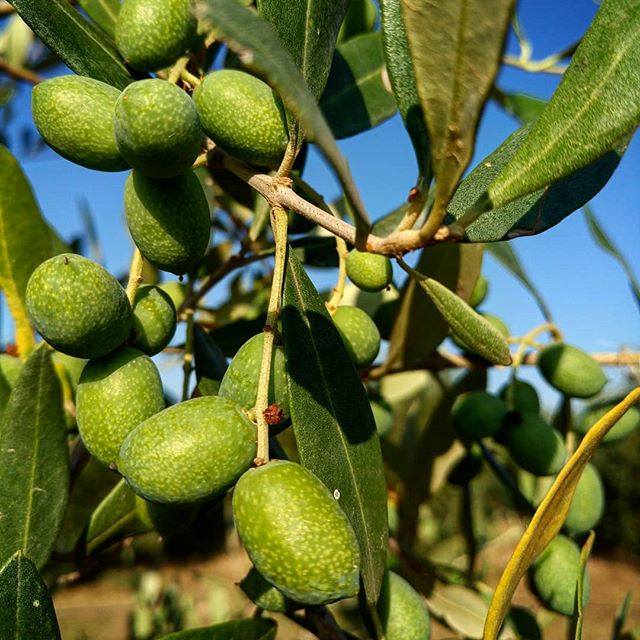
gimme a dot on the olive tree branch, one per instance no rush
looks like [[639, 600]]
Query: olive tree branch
[[19, 73]]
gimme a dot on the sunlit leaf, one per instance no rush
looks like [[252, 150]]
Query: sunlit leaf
[[520, 105], [462, 609]]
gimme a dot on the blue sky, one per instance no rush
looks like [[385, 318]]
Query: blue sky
[[585, 289]]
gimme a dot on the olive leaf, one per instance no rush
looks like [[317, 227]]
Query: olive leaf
[[462, 609], [520, 105], [578, 617], [103, 12], [26, 609], [332, 420], [81, 45], [550, 516], [250, 629]]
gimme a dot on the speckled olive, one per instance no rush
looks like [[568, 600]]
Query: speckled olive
[[403, 612], [587, 505], [265, 595], [369, 271], [359, 334], [521, 396], [480, 291], [154, 320], [296, 534]]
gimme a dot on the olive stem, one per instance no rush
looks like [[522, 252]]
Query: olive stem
[[279, 223], [289, 158], [194, 81], [528, 340], [19, 73], [338, 290], [201, 161], [177, 69], [188, 354], [414, 209], [135, 275]]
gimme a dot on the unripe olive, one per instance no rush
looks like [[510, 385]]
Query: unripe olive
[[240, 382], [554, 575], [166, 519], [265, 595], [478, 414], [587, 505], [359, 334], [77, 306], [369, 271], [189, 452], [157, 128], [480, 290], [296, 534], [403, 612], [168, 219], [243, 116], [74, 115], [152, 34], [115, 394], [627, 424], [571, 371], [535, 445], [154, 320], [521, 396]]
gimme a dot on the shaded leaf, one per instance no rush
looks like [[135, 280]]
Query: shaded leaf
[[462, 609], [357, 97], [252, 629], [26, 609], [403, 82], [549, 516], [520, 105], [210, 360], [596, 104], [385, 225], [533, 213], [605, 243], [258, 46], [360, 18], [506, 255], [578, 618], [621, 617], [332, 420], [34, 462], [82, 46], [103, 12], [455, 47]]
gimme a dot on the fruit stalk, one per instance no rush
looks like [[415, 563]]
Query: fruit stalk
[[338, 290], [528, 341], [188, 354], [135, 275]]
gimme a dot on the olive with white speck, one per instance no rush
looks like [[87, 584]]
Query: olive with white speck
[[369, 271], [154, 320], [403, 612], [359, 334]]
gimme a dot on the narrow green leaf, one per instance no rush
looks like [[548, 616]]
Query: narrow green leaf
[[82, 46], [520, 105], [332, 420], [479, 334], [103, 12], [419, 327], [506, 255], [596, 104], [533, 213], [357, 96], [461, 608], [403, 82], [258, 46], [385, 225], [578, 618], [361, 17], [549, 516], [456, 48], [308, 30], [26, 609], [250, 629], [34, 462], [621, 617], [211, 362], [605, 243]]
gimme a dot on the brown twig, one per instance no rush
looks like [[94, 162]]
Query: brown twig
[[18, 73]]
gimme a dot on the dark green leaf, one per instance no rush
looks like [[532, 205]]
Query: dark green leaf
[[419, 327], [332, 420], [259, 47], [537, 211], [361, 18], [103, 12], [357, 96], [26, 610], [385, 225], [82, 46], [596, 104], [232, 336], [621, 617], [456, 48], [308, 30], [316, 251], [605, 243], [521, 106], [506, 255], [253, 629], [211, 362], [34, 462], [403, 82]]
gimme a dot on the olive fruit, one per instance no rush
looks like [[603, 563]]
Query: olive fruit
[[535, 445], [154, 320], [571, 371], [554, 575], [115, 394], [521, 396], [478, 414], [402, 611], [587, 505], [240, 382], [77, 306], [74, 115], [627, 424], [359, 334], [369, 271], [243, 116], [265, 595], [152, 34], [480, 290], [168, 219], [189, 452], [157, 128], [296, 534]]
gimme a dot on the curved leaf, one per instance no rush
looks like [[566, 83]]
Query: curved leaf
[[357, 97], [596, 104], [103, 12], [26, 609], [462, 609], [578, 617], [253, 629], [34, 462], [521, 106], [332, 420], [81, 45]]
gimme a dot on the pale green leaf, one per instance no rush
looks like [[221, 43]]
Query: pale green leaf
[[520, 105], [578, 618], [360, 18], [15, 41], [250, 629], [103, 12], [461, 608]]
